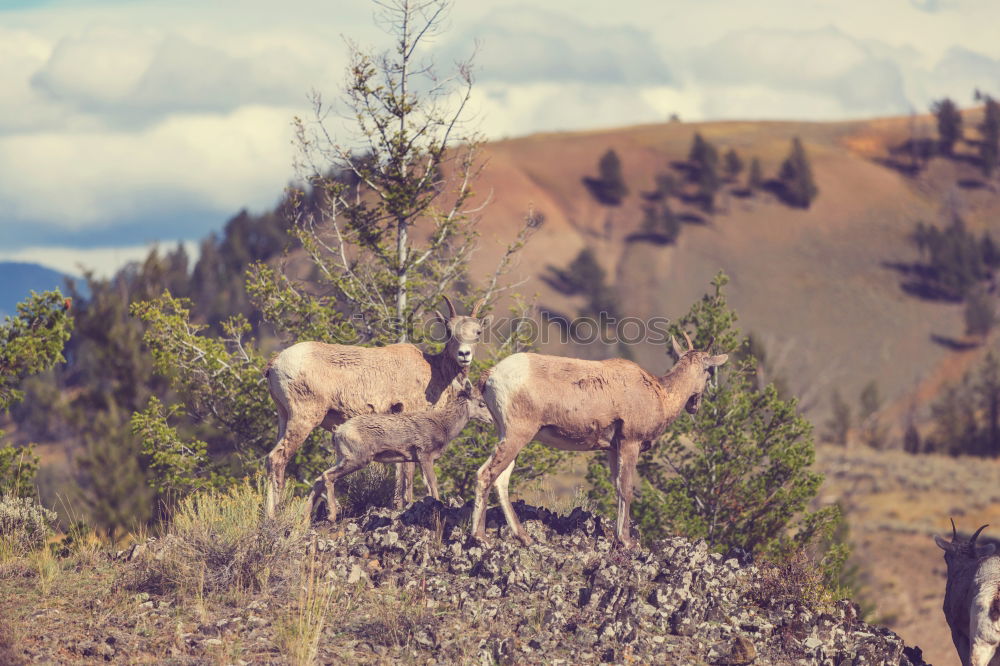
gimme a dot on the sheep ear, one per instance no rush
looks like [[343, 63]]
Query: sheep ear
[[677, 348], [942, 544], [715, 361], [986, 549], [486, 321]]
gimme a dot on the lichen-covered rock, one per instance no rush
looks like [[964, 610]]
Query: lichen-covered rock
[[575, 596]]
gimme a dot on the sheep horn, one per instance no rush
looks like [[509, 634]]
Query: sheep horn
[[688, 339], [475, 308], [954, 531], [451, 307], [972, 541]]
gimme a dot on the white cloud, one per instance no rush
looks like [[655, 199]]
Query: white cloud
[[103, 262], [80, 179], [523, 44]]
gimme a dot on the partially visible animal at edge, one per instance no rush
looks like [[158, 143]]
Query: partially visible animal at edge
[[972, 597], [419, 437], [319, 384], [579, 405]]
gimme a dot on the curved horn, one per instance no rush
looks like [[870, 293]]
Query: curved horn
[[711, 342], [975, 536], [451, 307], [475, 308], [954, 532], [688, 338]]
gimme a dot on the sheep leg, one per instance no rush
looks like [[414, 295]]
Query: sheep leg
[[508, 509], [402, 492], [295, 430], [323, 488], [430, 478], [628, 456], [508, 448]]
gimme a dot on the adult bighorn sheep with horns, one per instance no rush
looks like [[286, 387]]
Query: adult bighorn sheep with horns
[[318, 384], [972, 597], [578, 405]]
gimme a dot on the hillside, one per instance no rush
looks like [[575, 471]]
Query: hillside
[[817, 286], [408, 587]]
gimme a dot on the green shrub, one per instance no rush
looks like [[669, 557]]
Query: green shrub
[[24, 525]]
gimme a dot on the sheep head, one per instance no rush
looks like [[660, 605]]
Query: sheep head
[[463, 332], [698, 367], [958, 550]]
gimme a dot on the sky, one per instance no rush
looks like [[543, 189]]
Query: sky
[[130, 122]]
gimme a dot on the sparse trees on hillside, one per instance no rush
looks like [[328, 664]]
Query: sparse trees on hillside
[[609, 187], [872, 431], [949, 124], [797, 177], [966, 417]]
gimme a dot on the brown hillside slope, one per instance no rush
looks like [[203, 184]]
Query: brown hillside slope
[[816, 285]]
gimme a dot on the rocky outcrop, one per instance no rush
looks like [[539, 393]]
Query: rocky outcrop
[[574, 597]]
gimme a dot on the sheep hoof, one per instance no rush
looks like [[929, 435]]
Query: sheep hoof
[[524, 538]]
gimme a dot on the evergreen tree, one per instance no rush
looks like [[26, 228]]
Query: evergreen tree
[[911, 438], [989, 149], [704, 161], [949, 123], [839, 423], [980, 313], [30, 342], [738, 473], [988, 391], [660, 222], [872, 432], [384, 231], [734, 165], [755, 179], [609, 187], [797, 178]]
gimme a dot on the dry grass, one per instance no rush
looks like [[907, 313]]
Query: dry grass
[[300, 630], [222, 541]]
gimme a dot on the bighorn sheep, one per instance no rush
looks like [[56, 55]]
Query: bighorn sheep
[[972, 597], [419, 437], [578, 405], [313, 384]]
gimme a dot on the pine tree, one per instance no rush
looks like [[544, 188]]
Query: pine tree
[[755, 179], [949, 122], [704, 161], [873, 433], [609, 187], [980, 313], [30, 342], [988, 391], [738, 473], [797, 178], [839, 423], [989, 149], [734, 165]]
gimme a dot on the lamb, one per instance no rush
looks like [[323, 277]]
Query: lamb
[[972, 597], [317, 384], [578, 405], [409, 437]]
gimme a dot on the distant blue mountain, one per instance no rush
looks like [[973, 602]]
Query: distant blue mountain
[[17, 280]]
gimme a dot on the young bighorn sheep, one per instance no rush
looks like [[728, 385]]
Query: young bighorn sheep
[[578, 405], [318, 384], [972, 597], [419, 437]]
